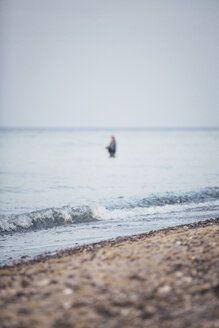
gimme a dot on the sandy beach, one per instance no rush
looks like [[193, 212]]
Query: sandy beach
[[166, 278]]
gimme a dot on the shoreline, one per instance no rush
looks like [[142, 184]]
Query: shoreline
[[92, 246], [164, 278]]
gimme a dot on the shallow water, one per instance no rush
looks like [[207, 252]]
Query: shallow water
[[59, 188]]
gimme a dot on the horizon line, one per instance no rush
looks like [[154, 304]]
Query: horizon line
[[108, 128]]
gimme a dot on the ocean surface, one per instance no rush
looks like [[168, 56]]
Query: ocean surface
[[60, 189]]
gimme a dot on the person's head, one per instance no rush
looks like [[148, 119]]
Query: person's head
[[112, 138]]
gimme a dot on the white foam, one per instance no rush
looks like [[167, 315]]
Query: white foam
[[101, 213]]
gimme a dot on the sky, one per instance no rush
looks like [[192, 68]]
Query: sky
[[101, 63]]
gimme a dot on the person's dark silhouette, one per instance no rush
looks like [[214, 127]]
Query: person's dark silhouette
[[112, 147]]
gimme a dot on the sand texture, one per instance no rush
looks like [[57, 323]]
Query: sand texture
[[168, 278]]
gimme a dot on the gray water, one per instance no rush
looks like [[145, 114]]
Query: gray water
[[59, 188]]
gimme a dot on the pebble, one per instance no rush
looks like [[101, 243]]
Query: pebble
[[67, 291], [164, 290]]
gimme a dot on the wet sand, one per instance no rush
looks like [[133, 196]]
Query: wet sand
[[167, 278]]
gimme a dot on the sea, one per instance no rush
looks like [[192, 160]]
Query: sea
[[59, 188]]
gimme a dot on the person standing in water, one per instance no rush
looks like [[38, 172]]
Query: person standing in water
[[112, 147]]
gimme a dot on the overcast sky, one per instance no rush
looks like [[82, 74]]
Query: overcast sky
[[109, 63]]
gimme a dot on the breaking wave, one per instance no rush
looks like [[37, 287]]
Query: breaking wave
[[44, 219], [152, 205]]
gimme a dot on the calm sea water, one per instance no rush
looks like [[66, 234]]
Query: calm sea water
[[59, 188]]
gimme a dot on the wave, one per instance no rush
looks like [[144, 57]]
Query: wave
[[204, 195], [44, 219], [152, 205]]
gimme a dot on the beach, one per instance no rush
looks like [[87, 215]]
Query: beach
[[59, 187], [165, 278]]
